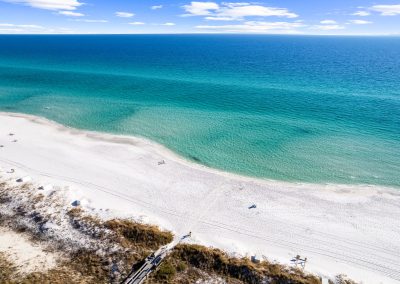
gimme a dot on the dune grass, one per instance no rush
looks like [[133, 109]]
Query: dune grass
[[238, 270]]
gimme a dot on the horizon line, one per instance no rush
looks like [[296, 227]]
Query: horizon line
[[183, 33]]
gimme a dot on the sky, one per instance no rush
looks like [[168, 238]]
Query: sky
[[311, 17]]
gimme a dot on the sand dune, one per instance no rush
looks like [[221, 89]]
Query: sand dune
[[340, 229]]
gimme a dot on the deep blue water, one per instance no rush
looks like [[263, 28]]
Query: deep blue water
[[296, 108]]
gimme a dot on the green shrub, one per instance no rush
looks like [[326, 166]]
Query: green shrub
[[181, 266], [166, 271]]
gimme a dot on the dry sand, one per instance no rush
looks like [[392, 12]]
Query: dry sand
[[25, 255]]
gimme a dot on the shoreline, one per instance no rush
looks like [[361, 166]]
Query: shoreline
[[170, 154], [347, 229]]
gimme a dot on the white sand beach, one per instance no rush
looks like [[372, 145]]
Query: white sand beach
[[25, 255], [341, 229]]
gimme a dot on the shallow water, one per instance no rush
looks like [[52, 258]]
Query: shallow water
[[314, 109]]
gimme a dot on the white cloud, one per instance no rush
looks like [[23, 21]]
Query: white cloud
[[7, 28], [155, 7], [137, 23], [328, 22], [220, 18], [256, 27], [21, 26], [124, 14], [361, 13], [387, 10], [359, 22], [168, 24], [71, 14], [240, 12], [234, 11], [327, 27], [49, 4], [91, 21], [200, 8], [31, 26]]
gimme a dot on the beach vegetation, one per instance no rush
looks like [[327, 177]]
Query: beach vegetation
[[137, 233], [167, 271], [217, 262], [6, 269]]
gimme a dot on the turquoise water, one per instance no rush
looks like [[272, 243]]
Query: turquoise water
[[314, 109]]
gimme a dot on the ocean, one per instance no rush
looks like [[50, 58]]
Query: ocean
[[294, 108]]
